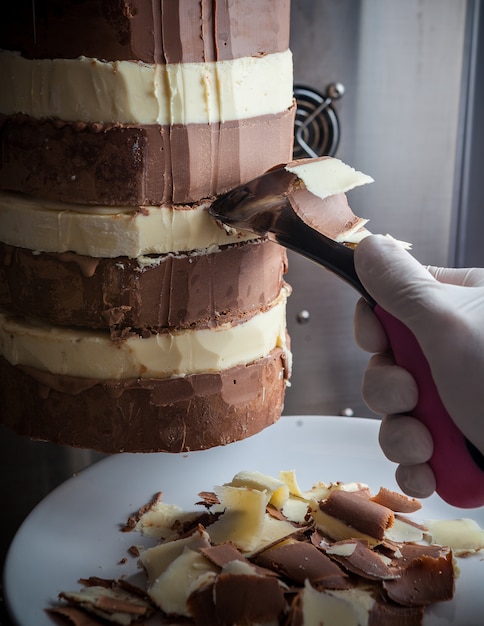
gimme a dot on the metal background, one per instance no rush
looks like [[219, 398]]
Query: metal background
[[405, 69]]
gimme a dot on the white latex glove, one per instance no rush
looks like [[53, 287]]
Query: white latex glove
[[444, 308]]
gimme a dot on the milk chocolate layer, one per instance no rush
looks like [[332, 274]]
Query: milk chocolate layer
[[132, 165], [181, 291], [144, 415], [151, 31]]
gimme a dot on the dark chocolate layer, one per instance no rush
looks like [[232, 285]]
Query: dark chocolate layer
[[153, 31], [179, 291], [144, 415], [128, 165]]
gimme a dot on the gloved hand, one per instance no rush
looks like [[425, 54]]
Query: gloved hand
[[444, 308]]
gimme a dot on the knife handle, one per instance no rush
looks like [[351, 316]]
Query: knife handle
[[457, 465]]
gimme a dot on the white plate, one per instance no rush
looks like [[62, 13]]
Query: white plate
[[75, 531]]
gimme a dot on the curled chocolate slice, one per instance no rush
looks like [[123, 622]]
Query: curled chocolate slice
[[358, 512]]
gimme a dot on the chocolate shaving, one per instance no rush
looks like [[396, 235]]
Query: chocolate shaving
[[225, 553], [363, 561], [423, 581], [385, 612], [410, 522], [298, 561], [117, 605], [358, 512], [209, 498], [396, 501], [135, 518], [276, 513], [238, 599], [393, 580], [95, 581], [75, 616]]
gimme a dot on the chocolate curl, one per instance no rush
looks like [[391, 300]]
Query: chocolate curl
[[360, 513], [396, 501]]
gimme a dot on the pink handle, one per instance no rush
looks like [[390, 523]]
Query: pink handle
[[460, 480]]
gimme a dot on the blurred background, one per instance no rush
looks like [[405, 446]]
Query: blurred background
[[409, 114], [391, 88]]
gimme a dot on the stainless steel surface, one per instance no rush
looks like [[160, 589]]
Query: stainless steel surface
[[467, 247]]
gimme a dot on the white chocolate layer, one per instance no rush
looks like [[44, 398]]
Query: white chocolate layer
[[129, 92], [108, 232], [91, 354]]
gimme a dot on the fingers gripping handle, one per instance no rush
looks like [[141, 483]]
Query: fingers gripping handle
[[459, 477]]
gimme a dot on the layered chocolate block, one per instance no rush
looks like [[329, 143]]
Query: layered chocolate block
[[130, 321]]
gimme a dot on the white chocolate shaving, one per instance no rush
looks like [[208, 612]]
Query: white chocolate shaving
[[328, 177], [462, 535]]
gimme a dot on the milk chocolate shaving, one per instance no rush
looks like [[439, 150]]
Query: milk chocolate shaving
[[108, 603], [363, 561], [409, 551], [238, 599], [410, 522], [423, 581], [331, 216], [276, 513], [298, 561], [225, 553], [222, 554], [385, 612], [209, 498], [135, 518], [75, 616], [396, 501], [358, 512]]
